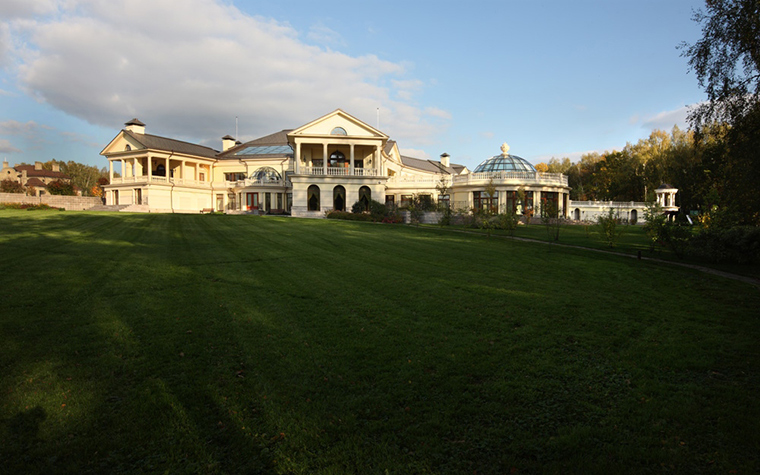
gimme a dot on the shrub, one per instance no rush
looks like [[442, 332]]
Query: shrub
[[739, 245], [508, 221], [551, 219], [59, 187], [655, 225], [610, 229], [11, 186], [28, 206]]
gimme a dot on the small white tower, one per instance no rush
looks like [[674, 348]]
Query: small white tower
[[666, 198]]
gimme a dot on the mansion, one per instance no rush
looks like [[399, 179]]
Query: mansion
[[327, 164]]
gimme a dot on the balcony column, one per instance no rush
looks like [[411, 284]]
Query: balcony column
[[110, 171], [536, 203], [297, 157], [184, 170], [351, 165], [376, 165], [324, 158], [123, 169], [168, 170], [150, 169]]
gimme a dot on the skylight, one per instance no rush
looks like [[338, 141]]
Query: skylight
[[266, 150]]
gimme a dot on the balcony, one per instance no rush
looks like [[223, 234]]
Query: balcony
[[160, 180], [512, 178], [338, 171], [257, 183]]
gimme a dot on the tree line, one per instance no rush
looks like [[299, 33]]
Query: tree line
[[635, 172]]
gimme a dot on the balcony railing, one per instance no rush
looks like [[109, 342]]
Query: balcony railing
[[143, 179], [402, 179], [526, 178], [337, 171], [248, 182]]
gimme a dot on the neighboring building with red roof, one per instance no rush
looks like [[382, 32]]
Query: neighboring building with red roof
[[34, 178]]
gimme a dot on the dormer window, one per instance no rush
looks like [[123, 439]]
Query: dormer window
[[128, 148], [338, 131]]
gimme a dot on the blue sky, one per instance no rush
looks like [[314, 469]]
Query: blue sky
[[551, 78]]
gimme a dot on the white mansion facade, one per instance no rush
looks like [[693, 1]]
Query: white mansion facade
[[329, 163]]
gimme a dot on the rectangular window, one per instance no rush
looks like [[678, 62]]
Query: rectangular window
[[289, 202], [483, 201], [406, 200], [220, 202], [234, 176], [444, 201], [231, 199], [279, 200], [390, 200]]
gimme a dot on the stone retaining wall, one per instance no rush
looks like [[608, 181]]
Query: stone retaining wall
[[69, 203]]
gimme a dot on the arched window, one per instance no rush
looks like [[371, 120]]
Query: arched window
[[312, 198], [338, 131], [160, 170], [365, 195], [339, 198], [127, 148]]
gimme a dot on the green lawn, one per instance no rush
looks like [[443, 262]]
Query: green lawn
[[632, 240], [240, 344]]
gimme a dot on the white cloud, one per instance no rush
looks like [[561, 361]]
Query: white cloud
[[6, 147], [324, 35], [29, 130], [26, 8], [487, 135], [187, 72], [665, 120]]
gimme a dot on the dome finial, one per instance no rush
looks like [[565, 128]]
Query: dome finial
[[504, 149]]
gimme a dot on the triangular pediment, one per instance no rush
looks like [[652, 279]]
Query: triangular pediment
[[332, 123], [120, 142]]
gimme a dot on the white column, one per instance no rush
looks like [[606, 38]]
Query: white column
[[150, 169], [123, 169], [184, 170], [376, 160], [324, 160], [351, 165], [298, 157], [168, 171], [536, 203], [110, 172]]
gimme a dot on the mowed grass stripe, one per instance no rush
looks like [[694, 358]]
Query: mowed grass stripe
[[238, 344]]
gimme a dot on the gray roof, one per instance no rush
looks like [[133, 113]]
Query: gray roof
[[432, 166], [170, 145], [389, 146]]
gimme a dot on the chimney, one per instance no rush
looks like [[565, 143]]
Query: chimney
[[135, 126], [227, 143], [38, 165], [445, 160], [56, 167], [6, 164]]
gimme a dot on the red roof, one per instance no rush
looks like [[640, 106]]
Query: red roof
[[35, 182], [31, 171]]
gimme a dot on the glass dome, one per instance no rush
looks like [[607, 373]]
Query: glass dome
[[265, 174], [505, 163]]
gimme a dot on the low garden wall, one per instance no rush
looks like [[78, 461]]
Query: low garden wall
[[69, 203]]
